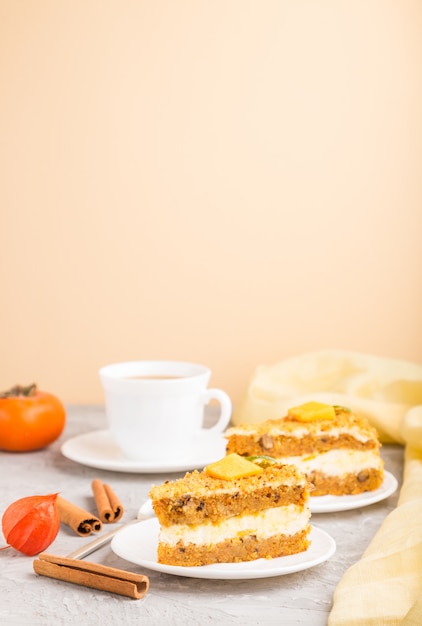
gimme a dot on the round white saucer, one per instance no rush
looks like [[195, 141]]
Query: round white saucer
[[97, 449]]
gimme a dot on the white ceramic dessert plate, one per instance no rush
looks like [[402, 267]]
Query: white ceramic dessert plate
[[97, 449], [138, 544]]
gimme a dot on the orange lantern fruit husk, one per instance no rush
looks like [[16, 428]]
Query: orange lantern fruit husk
[[31, 524]]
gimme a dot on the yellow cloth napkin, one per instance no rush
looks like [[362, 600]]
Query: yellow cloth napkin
[[385, 586], [380, 388]]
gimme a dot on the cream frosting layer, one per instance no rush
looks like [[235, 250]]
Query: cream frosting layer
[[285, 520], [302, 431], [336, 462]]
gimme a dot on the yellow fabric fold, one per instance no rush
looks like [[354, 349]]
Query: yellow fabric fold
[[414, 616], [384, 588], [381, 389], [384, 585]]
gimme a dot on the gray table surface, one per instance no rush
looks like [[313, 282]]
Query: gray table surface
[[300, 598]]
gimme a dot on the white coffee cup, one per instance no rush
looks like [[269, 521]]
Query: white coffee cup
[[155, 409]]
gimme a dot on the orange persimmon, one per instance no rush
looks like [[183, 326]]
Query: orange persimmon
[[29, 419]]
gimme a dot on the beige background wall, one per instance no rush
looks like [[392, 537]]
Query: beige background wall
[[228, 182]]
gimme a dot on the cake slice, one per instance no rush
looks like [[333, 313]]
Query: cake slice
[[338, 452], [234, 510]]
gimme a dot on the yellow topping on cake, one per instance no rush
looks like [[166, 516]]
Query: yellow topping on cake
[[312, 412], [231, 467]]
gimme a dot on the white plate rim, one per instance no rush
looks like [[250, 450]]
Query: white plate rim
[[208, 448], [127, 541], [334, 504]]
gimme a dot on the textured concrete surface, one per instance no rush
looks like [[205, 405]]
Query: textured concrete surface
[[300, 598]]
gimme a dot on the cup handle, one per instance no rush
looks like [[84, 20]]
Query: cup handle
[[225, 408]]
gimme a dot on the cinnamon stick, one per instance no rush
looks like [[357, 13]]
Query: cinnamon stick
[[92, 575], [109, 507], [81, 521]]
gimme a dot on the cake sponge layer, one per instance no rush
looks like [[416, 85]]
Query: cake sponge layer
[[284, 436], [245, 548], [198, 498], [348, 484]]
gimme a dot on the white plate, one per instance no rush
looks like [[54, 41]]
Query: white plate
[[332, 504], [97, 449], [138, 544]]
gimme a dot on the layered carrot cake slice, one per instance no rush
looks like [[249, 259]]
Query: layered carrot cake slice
[[338, 452], [234, 510]]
